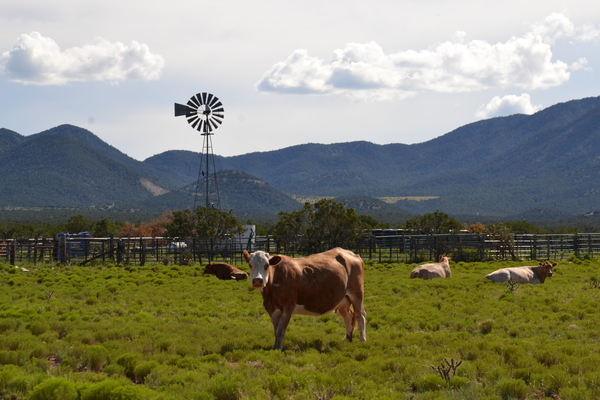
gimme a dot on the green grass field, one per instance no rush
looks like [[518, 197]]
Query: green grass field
[[167, 332]]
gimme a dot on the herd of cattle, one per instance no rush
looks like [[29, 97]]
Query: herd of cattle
[[333, 281]]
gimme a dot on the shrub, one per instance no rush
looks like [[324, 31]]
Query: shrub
[[100, 391], [142, 370], [512, 388], [486, 326], [132, 393], [95, 358], [428, 383], [457, 382], [8, 373], [128, 361], [54, 389], [225, 387], [114, 369], [37, 327], [279, 384]]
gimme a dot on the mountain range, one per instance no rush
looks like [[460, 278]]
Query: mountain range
[[542, 166]]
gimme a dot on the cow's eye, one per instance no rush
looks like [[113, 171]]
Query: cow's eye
[[266, 266]]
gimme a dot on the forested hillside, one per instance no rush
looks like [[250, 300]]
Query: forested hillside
[[500, 167]]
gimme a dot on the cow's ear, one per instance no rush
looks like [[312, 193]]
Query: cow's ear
[[274, 260], [554, 264], [246, 256]]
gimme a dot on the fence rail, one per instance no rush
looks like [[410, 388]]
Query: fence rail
[[390, 248]]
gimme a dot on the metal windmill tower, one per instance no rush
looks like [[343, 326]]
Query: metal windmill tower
[[204, 112]]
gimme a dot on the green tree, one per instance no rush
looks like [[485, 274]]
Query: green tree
[[77, 223], [203, 222], [105, 228], [437, 222], [318, 227], [372, 223]]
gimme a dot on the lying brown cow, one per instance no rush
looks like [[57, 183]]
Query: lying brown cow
[[313, 285], [533, 275], [225, 271], [435, 270]]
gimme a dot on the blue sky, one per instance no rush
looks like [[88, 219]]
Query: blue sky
[[289, 73]]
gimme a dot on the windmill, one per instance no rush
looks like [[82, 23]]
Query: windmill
[[204, 112]]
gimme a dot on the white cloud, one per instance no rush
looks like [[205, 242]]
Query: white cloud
[[507, 105], [365, 70], [38, 60]]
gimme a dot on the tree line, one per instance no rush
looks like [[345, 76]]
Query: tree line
[[315, 227]]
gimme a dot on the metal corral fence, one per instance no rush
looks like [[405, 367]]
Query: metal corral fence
[[397, 247]]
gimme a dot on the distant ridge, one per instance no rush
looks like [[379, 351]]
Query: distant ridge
[[500, 167]]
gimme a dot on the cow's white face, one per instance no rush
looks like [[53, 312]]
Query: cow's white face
[[259, 269]]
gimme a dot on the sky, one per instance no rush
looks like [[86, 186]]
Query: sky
[[289, 73]]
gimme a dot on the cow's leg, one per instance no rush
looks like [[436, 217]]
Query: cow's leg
[[280, 320], [349, 320], [360, 314]]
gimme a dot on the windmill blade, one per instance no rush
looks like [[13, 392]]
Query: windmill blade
[[204, 94], [193, 103], [181, 109], [197, 99], [217, 120], [210, 99], [210, 124], [194, 121]]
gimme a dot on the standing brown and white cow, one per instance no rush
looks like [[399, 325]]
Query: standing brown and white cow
[[533, 275], [434, 270], [314, 285]]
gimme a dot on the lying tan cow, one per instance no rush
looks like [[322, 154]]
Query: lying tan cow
[[225, 271], [313, 285], [533, 275], [435, 270]]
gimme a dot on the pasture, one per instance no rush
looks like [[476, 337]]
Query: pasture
[[168, 332]]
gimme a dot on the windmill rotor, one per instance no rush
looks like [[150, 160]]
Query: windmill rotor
[[204, 112]]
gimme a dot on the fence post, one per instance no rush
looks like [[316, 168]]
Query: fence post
[[63, 249], [142, 252], [120, 248], [12, 251]]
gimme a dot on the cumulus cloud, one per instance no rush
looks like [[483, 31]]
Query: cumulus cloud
[[507, 105], [39, 60], [457, 65]]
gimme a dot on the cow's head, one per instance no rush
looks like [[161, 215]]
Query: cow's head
[[209, 269], [259, 268], [548, 267]]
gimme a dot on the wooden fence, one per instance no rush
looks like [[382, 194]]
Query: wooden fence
[[384, 248]]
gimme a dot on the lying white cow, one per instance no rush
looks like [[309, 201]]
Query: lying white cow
[[533, 275], [435, 270]]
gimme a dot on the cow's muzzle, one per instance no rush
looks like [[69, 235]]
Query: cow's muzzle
[[257, 283]]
